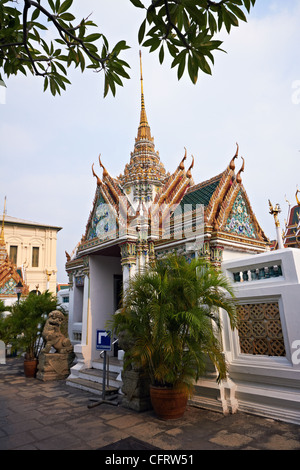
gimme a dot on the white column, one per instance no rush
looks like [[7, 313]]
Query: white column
[[279, 237], [85, 310], [71, 309], [126, 276], [83, 350]]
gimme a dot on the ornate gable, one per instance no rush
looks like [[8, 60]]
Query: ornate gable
[[100, 214], [227, 209], [240, 220]]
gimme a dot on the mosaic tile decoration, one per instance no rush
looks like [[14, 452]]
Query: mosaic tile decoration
[[239, 220], [8, 288]]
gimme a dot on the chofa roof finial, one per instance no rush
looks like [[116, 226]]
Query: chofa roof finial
[[99, 182], [105, 172], [181, 165], [232, 163], [238, 176], [189, 173]]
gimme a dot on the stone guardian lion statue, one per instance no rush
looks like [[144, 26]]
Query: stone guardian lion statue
[[53, 335]]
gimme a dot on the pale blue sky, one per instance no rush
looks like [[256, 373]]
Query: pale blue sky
[[47, 145]]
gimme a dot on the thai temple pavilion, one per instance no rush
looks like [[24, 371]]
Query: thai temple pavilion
[[11, 277], [144, 213]]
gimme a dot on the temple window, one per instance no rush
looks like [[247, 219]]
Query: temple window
[[13, 254], [35, 257]]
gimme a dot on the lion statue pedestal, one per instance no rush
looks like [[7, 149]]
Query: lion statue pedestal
[[55, 365]]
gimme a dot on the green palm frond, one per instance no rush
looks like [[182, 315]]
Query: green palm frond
[[170, 314]]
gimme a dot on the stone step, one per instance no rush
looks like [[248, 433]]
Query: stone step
[[92, 379], [113, 364], [90, 386], [96, 375]]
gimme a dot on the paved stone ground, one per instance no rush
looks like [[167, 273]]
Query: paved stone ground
[[36, 415]]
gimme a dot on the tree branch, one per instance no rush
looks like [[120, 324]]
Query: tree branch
[[62, 30], [173, 26], [27, 5]]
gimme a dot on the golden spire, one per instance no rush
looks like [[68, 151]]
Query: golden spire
[[2, 241], [142, 84], [145, 164], [144, 129]]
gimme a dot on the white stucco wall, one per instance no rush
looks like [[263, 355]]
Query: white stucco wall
[[268, 385], [102, 271]]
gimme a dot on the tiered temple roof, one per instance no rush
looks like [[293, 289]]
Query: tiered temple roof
[[146, 188], [227, 209]]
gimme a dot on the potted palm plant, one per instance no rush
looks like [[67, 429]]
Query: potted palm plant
[[25, 325], [170, 316]]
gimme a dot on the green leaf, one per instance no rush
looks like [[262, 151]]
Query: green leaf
[[153, 43], [92, 37], [40, 25], [106, 87], [181, 56], [120, 46], [212, 23], [62, 68], [65, 6], [57, 5], [141, 32], [46, 82], [181, 67], [67, 17], [82, 60], [137, 3], [35, 14], [51, 3], [52, 86], [192, 69], [161, 54], [237, 11], [247, 5]]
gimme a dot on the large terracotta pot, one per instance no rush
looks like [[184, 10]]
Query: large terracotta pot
[[30, 367], [168, 403]]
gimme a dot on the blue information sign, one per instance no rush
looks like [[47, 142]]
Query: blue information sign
[[103, 340]]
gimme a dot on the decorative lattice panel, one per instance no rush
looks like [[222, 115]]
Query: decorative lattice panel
[[259, 328]]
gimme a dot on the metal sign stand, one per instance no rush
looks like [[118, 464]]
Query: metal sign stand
[[104, 400]]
